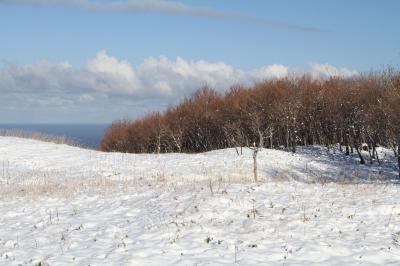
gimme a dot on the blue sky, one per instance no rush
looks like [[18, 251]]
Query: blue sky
[[217, 42]]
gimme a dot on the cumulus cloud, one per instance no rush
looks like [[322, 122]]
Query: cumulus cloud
[[327, 70], [155, 76], [111, 74], [272, 71], [164, 6], [42, 75], [173, 76], [117, 86]]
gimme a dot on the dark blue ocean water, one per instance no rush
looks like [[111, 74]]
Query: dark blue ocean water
[[86, 135]]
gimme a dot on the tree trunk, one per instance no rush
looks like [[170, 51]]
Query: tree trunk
[[178, 146], [261, 140], [287, 139], [271, 140], [294, 136], [255, 152], [362, 161], [158, 145], [398, 156], [377, 157], [293, 141], [371, 154], [237, 151], [373, 151], [346, 143]]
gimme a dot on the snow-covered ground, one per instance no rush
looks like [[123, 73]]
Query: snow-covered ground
[[62, 205]]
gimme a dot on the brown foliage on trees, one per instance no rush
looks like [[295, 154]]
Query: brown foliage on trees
[[276, 113]]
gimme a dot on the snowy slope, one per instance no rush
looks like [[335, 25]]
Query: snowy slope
[[63, 205], [23, 157]]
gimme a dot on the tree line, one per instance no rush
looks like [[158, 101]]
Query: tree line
[[356, 113]]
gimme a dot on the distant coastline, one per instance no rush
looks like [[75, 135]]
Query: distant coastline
[[86, 135]]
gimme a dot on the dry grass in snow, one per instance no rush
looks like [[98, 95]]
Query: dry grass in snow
[[62, 205]]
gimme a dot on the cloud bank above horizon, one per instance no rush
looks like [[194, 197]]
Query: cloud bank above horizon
[[107, 83], [163, 6]]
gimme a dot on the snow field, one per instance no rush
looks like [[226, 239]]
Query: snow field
[[63, 205]]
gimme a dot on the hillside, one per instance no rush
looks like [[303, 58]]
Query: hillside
[[63, 205]]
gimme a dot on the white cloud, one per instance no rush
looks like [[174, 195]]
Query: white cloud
[[327, 70], [117, 75], [86, 98], [103, 63], [155, 77], [181, 75], [117, 86], [272, 71], [42, 75]]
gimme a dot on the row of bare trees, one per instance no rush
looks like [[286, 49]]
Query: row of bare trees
[[287, 112]]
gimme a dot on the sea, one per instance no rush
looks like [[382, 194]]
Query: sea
[[86, 135]]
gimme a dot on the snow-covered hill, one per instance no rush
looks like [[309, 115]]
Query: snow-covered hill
[[64, 205], [25, 158]]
